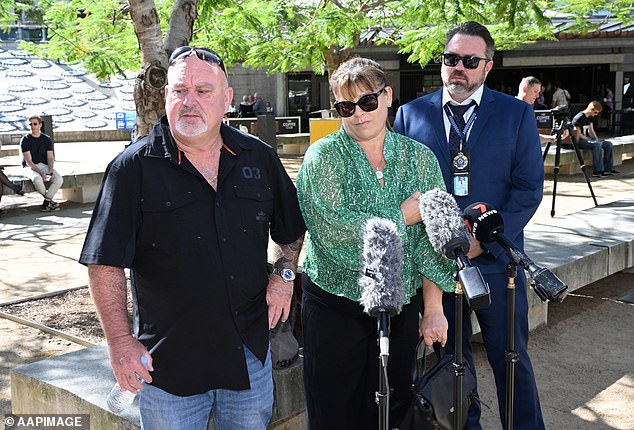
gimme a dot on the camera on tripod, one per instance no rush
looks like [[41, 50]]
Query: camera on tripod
[[553, 119], [561, 113], [561, 117], [559, 123]]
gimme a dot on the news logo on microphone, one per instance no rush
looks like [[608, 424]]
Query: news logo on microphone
[[486, 224]]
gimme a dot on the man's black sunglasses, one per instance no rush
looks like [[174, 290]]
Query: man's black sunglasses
[[202, 53], [367, 103], [469, 62]]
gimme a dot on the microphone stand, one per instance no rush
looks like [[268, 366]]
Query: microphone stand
[[382, 396], [511, 356], [458, 364]]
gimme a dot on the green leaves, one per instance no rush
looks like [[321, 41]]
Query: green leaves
[[97, 35], [295, 35]]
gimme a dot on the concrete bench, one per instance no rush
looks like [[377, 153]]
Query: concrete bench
[[82, 165], [293, 144], [569, 164], [77, 187], [79, 382], [577, 252], [9, 151]]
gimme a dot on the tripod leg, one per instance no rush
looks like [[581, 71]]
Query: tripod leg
[[556, 172], [458, 365], [582, 163], [511, 356], [546, 151]]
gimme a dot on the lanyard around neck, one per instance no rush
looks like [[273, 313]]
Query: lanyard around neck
[[462, 134]]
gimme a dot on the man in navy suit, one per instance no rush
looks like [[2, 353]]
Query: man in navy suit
[[488, 152]]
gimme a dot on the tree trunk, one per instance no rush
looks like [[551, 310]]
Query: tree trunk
[[179, 32], [334, 58], [149, 90], [150, 82]]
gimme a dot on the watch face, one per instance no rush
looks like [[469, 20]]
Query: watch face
[[288, 275]]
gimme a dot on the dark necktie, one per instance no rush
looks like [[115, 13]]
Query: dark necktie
[[458, 112]]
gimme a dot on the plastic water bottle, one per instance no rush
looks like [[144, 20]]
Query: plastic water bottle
[[120, 400]]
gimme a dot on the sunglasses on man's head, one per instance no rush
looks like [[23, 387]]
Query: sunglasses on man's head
[[469, 62], [202, 53], [367, 103]]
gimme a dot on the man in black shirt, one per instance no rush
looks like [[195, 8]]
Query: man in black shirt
[[189, 210], [602, 152], [38, 163]]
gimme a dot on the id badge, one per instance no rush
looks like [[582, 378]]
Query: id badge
[[461, 184]]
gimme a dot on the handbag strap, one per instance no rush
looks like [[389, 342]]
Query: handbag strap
[[440, 353]]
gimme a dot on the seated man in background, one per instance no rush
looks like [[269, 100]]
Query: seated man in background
[[38, 162], [602, 152]]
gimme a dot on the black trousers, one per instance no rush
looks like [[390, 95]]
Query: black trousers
[[341, 361]]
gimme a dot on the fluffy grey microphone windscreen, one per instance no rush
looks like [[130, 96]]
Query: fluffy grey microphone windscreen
[[443, 222], [380, 281]]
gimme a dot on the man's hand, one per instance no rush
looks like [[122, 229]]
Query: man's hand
[[474, 249], [125, 358], [279, 293], [278, 298]]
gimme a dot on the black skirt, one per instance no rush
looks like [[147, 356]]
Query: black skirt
[[341, 360]]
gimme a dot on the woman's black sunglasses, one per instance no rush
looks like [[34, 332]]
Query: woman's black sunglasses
[[367, 103], [469, 62], [202, 53]]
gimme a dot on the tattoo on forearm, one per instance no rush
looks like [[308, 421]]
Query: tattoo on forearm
[[286, 255]]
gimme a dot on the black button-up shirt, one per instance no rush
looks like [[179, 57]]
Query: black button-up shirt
[[198, 257]]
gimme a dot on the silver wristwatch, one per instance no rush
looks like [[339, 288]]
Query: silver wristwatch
[[287, 275]]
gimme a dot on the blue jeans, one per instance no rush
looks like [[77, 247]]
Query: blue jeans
[[232, 410], [600, 163]]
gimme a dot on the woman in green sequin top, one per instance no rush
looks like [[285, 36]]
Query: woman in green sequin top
[[360, 172]]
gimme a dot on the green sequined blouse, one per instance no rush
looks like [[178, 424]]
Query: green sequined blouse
[[338, 192]]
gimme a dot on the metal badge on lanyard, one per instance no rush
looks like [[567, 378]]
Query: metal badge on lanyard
[[460, 156]]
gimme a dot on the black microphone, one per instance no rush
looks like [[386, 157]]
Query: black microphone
[[449, 236], [487, 225], [381, 283]]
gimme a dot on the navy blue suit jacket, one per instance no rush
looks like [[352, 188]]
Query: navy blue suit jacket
[[505, 157]]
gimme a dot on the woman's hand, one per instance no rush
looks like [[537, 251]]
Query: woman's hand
[[410, 209], [433, 327]]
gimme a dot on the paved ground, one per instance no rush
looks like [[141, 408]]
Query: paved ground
[[583, 359]]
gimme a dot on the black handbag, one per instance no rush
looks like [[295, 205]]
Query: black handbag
[[433, 394]]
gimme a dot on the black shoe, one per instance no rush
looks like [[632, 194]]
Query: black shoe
[[49, 206], [614, 172], [597, 174], [605, 174], [18, 189]]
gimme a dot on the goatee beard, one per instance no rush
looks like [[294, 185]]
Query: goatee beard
[[190, 128]]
